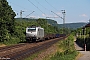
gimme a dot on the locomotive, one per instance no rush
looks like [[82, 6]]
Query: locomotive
[[36, 33]]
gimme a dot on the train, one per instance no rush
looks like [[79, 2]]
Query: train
[[36, 33]]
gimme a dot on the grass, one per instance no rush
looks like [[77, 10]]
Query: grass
[[64, 56], [65, 51], [32, 56]]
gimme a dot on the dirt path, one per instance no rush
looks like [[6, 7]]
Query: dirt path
[[84, 55]]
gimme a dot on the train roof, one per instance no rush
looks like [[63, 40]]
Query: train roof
[[33, 26]]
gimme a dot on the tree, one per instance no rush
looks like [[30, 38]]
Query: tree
[[6, 20]]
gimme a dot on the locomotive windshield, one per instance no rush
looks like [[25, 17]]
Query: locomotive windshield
[[31, 29]]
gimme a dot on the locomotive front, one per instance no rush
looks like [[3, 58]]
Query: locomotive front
[[30, 33]]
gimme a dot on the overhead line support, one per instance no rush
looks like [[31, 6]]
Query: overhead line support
[[61, 18]]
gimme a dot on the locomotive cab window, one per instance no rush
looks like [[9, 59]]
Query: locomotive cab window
[[31, 29]]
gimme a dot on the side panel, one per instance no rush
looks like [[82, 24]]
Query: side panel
[[40, 33]]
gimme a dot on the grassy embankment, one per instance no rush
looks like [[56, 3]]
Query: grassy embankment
[[65, 51]]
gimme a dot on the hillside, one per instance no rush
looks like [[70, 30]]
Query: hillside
[[67, 25], [72, 25], [54, 23]]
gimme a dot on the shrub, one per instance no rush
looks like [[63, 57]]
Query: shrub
[[68, 53]]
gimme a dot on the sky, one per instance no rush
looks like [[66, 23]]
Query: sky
[[75, 10]]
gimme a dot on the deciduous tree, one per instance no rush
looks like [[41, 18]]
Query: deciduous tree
[[6, 20]]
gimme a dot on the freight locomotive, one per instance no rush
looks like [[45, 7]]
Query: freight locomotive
[[36, 33]]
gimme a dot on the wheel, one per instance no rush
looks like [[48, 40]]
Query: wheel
[[34, 40]]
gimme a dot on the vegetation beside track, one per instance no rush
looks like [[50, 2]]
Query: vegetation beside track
[[83, 37], [66, 50], [81, 41], [32, 56]]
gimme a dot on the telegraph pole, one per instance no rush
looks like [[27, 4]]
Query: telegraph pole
[[63, 12], [21, 13]]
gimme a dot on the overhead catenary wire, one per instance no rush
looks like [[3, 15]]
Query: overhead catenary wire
[[51, 5], [19, 6], [37, 7], [18, 12], [57, 15], [30, 14], [42, 5]]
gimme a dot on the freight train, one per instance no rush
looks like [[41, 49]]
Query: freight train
[[36, 33]]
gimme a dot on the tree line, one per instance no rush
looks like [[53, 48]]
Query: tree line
[[7, 22], [13, 31]]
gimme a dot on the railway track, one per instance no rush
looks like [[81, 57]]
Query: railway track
[[10, 47], [22, 51]]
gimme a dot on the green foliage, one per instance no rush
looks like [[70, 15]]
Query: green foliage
[[6, 20], [83, 37], [62, 56], [69, 52], [72, 25], [47, 27], [13, 40], [13, 31], [87, 30], [20, 30]]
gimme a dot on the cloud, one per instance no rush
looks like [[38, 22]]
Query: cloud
[[83, 15], [58, 13], [34, 16], [43, 15], [52, 15], [83, 21]]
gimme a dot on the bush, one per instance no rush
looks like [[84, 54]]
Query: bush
[[69, 52], [13, 40], [64, 56]]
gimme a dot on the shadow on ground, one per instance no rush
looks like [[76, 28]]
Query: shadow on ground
[[30, 41]]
